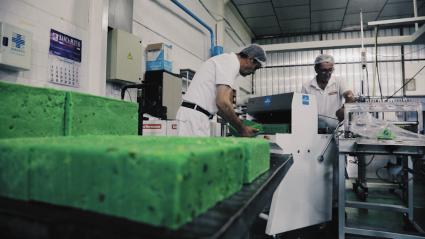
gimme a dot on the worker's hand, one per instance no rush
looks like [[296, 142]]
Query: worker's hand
[[340, 114], [248, 131]]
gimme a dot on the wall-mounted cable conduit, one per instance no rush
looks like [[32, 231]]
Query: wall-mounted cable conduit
[[214, 50]]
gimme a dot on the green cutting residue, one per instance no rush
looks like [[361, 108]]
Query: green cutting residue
[[386, 133], [263, 128]]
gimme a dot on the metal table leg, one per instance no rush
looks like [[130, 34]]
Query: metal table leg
[[410, 188], [341, 196]]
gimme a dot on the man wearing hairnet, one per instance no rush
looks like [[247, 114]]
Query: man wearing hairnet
[[210, 92], [330, 91]]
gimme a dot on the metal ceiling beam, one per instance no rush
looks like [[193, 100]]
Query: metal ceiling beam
[[396, 21], [417, 37], [345, 43]]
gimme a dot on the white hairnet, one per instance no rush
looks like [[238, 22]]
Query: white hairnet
[[324, 58]]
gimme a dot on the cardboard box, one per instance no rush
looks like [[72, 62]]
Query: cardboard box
[[158, 57]]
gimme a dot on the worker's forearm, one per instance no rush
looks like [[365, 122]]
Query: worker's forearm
[[226, 111]]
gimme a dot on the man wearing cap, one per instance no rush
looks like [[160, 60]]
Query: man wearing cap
[[210, 92], [329, 91]]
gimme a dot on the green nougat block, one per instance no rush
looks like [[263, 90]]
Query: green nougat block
[[94, 115], [276, 128], [250, 123], [152, 180], [257, 156], [13, 173], [30, 112], [224, 177], [221, 177], [386, 133]]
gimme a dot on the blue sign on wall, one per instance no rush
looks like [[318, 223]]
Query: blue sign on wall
[[65, 46], [306, 100], [18, 40]]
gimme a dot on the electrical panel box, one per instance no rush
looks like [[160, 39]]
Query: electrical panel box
[[124, 61], [15, 47]]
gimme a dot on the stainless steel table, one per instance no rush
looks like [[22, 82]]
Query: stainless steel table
[[361, 146]]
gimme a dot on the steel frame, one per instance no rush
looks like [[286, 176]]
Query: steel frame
[[352, 146]]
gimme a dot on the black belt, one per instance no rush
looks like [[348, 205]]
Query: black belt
[[198, 108]]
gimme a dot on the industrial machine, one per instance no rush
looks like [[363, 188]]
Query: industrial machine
[[160, 96], [372, 128], [304, 197], [405, 119], [163, 89]]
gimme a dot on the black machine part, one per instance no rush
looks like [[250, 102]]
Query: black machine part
[[159, 93], [271, 109], [144, 105]]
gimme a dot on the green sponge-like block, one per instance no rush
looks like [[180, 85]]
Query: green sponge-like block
[[250, 123], [276, 128], [386, 133], [257, 156], [30, 111], [263, 128], [14, 173], [161, 181], [39, 112], [93, 115]]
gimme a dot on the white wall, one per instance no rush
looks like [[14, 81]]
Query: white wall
[[234, 41], [153, 21], [163, 21], [39, 16]]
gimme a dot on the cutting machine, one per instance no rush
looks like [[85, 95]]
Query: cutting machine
[[304, 196]]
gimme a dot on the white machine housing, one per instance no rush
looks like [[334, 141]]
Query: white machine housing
[[15, 47], [304, 197]]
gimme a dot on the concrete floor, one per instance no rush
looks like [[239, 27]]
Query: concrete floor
[[384, 220]]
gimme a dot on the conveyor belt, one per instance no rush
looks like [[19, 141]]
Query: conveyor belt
[[230, 218]]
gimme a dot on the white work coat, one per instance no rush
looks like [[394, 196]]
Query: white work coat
[[219, 70], [329, 100]]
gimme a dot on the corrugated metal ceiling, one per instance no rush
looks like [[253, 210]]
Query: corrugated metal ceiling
[[268, 18]]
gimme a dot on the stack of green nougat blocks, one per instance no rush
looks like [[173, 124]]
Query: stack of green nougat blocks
[[163, 181], [33, 112], [82, 151]]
